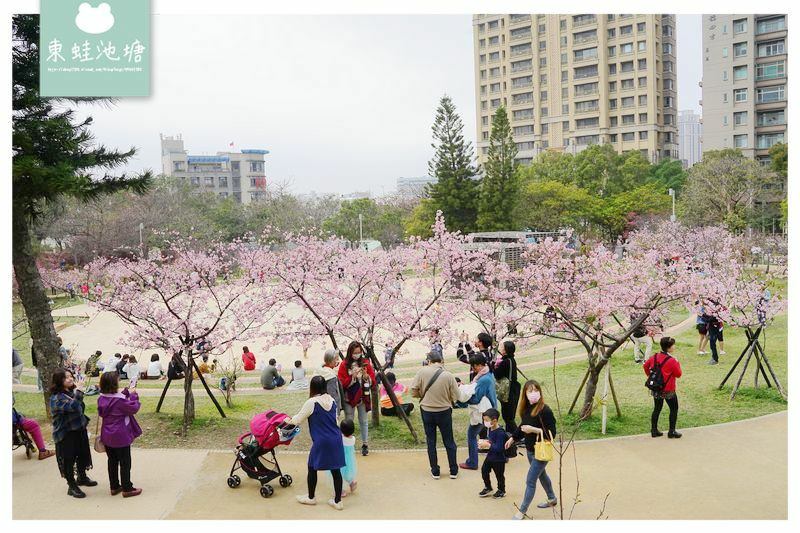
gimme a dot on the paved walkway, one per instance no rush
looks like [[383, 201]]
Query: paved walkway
[[730, 471]]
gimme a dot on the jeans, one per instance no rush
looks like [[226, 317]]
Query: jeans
[[714, 335], [119, 466], [363, 419], [536, 472], [658, 403], [443, 421], [499, 471], [16, 373], [472, 445], [641, 344]]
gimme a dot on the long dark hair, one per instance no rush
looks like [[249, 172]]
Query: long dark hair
[[348, 360], [510, 348], [57, 383]]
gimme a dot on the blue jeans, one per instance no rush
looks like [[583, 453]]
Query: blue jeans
[[472, 445], [443, 421], [536, 472]]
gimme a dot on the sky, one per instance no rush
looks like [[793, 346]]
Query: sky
[[343, 103]]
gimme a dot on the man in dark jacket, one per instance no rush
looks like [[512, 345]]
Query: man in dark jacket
[[483, 344]]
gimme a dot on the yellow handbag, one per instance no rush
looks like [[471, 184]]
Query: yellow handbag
[[543, 450]]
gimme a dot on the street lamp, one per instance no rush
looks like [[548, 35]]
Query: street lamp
[[672, 193], [141, 240], [360, 230]]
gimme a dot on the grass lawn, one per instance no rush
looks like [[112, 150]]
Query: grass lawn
[[21, 336], [700, 401]]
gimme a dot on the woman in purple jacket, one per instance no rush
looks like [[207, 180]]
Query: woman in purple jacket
[[118, 432]]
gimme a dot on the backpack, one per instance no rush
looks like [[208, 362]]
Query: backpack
[[655, 379]]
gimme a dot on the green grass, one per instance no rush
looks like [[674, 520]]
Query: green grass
[[700, 401], [21, 336]]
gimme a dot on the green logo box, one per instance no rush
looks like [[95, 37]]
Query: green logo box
[[95, 48]]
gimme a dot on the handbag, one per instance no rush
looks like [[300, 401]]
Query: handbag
[[99, 447], [543, 450], [476, 411]]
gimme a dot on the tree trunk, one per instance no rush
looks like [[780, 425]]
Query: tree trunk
[[188, 397], [589, 392], [34, 300]]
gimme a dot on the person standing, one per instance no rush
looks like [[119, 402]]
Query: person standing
[[495, 460], [248, 358], [330, 363], [484, 395], [507, 387], [388, 356], [642, 342], [118, 431], [714, 335], [69, 431], [16, 366], [702, 330], [327, 450], [483, 348], [358, 380], [536, 422], [437, 391], [670, 371]]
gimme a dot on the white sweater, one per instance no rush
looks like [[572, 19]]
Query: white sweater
[[325, 400]]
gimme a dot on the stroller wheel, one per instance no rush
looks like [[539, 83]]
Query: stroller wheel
[[234, 481], [267, 491], [283, 481], [29, 450]]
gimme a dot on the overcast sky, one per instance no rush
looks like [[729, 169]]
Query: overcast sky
[[343, 103]]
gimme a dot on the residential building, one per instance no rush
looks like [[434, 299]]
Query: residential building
[[414, 187], [690, 130], [570, 81], [239, 175], [745, 89]]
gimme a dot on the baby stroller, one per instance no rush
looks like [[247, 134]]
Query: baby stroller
[[267, 431], [19, 436]]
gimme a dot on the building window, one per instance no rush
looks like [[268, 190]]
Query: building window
[[223, 181], [195, 180], [543, 96], [565, 74], [495, 103], [641, 46], [612, 104], [770, 24], [543, 79], [614, 122], [626, 30], [627, 137], [642, 135], [626, 48], [771, 118], [612, 86], [643, 82], [724, 51], [542, 61], [642, 99], [542, 45], [740, 95], [565, 109], [768, 71], [641, 64], [565, 125], [612, 51], [768, 140], [612, 68], [724, 98], [724, 75], [544, 113], [740, 141], [562, 24], [563, 41], [724, 120], [740, 118], [739, 25], [740, 72], [582, 55], [256, 166], [765, 95], [627, 66], [612, 32], [223, 195], [612, 138], [627, 84], [584, 107], [642, 118], [564, 59], [739, 49], [771, 48], [523, 130], [640, 27], [627, 120], [494, 41]]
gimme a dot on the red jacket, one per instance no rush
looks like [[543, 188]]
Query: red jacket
[[249, 360], [671, 370], [346, 378]]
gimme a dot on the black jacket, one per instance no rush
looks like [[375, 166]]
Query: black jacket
[[545, 419]]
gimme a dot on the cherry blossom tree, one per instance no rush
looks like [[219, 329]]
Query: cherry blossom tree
[[190, 297]]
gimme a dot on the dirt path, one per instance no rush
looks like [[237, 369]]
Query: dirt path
[[711, 473]]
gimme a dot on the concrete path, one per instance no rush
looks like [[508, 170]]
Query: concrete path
[[730, 471]]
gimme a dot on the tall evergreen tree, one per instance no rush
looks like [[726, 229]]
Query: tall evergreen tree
[[499, 186], [54, 156], [455, 192]]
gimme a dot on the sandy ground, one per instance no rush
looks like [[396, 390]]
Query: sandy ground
[[730, 471]]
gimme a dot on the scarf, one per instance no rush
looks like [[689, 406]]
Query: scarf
[[483, 371]]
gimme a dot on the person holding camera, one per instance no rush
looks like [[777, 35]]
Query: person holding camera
[[69, 431], [358, 379], [118, 431], [482, 349]]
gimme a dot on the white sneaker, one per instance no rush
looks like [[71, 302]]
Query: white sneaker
[[454, 476], [305, 500], [518, 516], [338, 506], [723, 352], [701, 352], [434, 476]]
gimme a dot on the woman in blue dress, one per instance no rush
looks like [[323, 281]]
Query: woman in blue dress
[[327, 451]]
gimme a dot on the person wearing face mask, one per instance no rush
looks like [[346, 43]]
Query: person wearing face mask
[[536, 422], [495, 457], [358, 380], [505, 373], [482, 399]]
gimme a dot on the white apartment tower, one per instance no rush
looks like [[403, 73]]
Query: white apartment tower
[[570, 81], [239, 175], [745, 89], [690, 131]]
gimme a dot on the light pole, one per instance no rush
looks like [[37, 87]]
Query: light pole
[[360, 230], [672, 193]]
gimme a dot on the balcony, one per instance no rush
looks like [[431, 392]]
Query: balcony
[[520, 36], [583, 20], [521, 52], [518, 19]]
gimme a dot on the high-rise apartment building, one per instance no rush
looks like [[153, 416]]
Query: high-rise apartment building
[[745, 87], [239, 175], [570, 81], [690, 131]]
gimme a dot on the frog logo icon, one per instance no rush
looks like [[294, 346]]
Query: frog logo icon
[[94, 20]]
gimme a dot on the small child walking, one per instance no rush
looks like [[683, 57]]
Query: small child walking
[[495, 458], [348, 428]]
